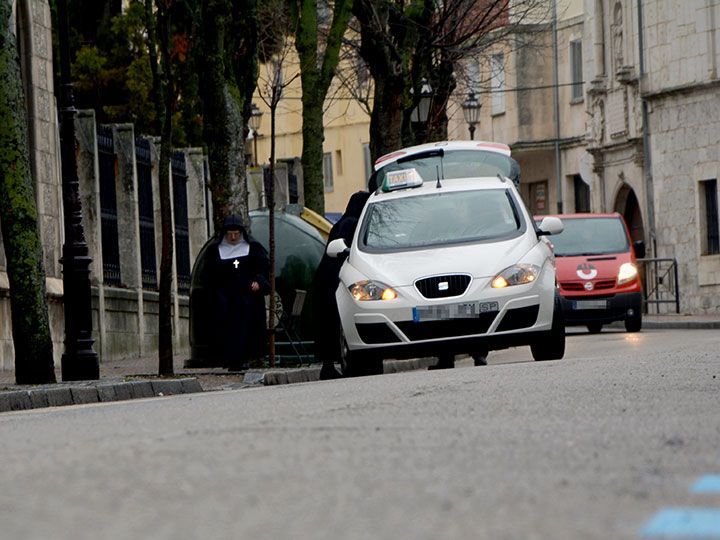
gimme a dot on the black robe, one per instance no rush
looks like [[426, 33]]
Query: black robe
[[326, 281], [239, 328]]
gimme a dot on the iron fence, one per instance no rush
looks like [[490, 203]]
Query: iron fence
[[108, 206], [661, 285], [146, 214], [182, 230]]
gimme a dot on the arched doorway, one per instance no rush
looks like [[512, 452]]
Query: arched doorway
[[626, 204]]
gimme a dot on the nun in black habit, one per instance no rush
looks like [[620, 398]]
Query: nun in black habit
[[239, 270], [327, 278]]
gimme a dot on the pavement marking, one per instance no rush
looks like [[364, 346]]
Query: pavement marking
[[685, 523], [709, 483]]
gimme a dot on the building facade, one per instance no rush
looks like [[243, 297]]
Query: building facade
[[635, 130]]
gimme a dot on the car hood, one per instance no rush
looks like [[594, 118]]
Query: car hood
[[477, 259], [590, 267]]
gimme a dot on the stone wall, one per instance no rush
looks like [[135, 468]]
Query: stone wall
[[686, 128]]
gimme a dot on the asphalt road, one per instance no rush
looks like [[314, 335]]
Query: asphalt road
[[592, 446]]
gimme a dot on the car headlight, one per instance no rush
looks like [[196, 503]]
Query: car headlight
[[518, 274], [627, 273], [372, 290]]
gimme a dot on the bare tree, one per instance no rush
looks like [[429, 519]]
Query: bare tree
[[406, 44]]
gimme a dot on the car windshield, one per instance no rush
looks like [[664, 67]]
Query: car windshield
[[452, 164], [590, 236], [440, 219]]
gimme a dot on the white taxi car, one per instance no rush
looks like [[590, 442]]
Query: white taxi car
[[446, 260]]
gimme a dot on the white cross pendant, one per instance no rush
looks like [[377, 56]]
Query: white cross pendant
[[236, 263]]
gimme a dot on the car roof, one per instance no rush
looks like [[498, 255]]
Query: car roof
[[448, 185], [487, 146]]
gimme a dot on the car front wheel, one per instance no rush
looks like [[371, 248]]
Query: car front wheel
[[354, 366], [634, 322], [552, 345]]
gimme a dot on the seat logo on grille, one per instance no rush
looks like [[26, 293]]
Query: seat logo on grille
[[443, 286]]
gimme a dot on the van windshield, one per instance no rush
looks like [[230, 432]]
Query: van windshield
[[440, 219], [590, 236]]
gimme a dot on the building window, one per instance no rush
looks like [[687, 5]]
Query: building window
[[497, 83], [582, 195], [328, 171], [576, 71], [709, 211], [339, 162]]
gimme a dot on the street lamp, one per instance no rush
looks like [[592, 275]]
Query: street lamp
[[422, 111], [255, 116], [471, 112], [79, 361]]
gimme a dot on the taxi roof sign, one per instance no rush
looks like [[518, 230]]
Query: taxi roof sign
[[404, 178]]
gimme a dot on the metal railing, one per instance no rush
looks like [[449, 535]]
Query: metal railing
[[661, 285], [108, 206]]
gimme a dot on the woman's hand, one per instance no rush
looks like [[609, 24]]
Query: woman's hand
[[254, 286]]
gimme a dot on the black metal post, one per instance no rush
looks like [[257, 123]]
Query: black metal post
[[79, 361], [471, 128]]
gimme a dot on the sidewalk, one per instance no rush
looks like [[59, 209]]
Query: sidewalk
[[133, 378]]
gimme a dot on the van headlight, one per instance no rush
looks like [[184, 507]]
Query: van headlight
[[518, 274], [372, 290], [628, 272]]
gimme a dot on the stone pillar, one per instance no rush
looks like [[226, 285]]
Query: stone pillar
[[89, 178], [197, 207], [128, 219]]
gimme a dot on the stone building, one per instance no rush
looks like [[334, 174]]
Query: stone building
[[637, 128], [654, 99]]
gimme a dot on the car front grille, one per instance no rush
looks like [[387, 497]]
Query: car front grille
[[417, 331], [443, 286], [600, 285]]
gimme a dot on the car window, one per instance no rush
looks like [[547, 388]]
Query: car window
[[452, 164], [590, 236], [440, 219]]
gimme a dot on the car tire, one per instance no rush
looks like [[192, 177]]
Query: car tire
[[634, 322], [480, 358], [552, 345], [353, 366], [594, 328]]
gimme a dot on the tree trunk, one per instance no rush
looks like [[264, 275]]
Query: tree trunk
[[223, 125], [23, 248], [158, 27], [387, 117], [316, 74]]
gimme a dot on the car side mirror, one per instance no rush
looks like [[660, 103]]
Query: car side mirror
[[337, 249], [550, 225], [639, 247]]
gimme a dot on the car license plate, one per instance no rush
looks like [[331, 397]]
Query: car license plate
[[467, 310], [590, 304]]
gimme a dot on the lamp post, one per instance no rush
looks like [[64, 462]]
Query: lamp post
[[471, 112], [255, 116], [79, 360], [420, 114]]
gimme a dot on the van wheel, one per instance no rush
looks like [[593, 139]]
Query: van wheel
[[353, 366], [594, 328], [552, 345], [634, 322]]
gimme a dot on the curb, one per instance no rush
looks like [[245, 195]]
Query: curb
[[311, 374], [681, 325], [93, 392]]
